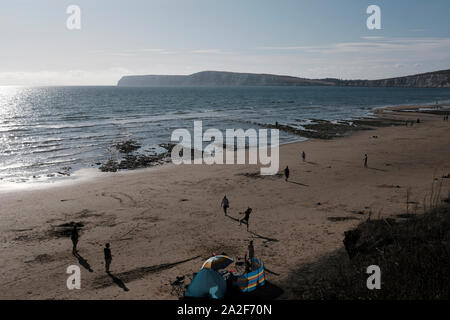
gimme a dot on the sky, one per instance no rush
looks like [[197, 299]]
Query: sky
[[304, 38]]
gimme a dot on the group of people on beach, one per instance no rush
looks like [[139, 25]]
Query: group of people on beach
[[106, 251], [225, 204]]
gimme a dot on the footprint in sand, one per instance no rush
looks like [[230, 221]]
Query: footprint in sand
[[123, 198]]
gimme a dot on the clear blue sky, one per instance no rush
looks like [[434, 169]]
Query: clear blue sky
[[307, 38]]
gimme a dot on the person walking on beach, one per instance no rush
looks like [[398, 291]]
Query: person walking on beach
[[108, 257], [303, 156], [246, 217], [365, 160], [74, 237], [286, 173], [225, 204]]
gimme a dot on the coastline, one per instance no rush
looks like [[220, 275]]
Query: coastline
[[159, 217]]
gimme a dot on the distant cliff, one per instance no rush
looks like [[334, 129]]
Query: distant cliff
[[218, 78], [438, 79]]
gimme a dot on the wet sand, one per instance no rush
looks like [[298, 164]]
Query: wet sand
[[164, 222]]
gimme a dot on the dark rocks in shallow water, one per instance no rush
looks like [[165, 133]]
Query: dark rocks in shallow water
[[65, 171], [320, 129], [131, 162], [324, 129], [167, 146], [140, 161], [378, 122], [110, 166], [127, 146], [135, 161]]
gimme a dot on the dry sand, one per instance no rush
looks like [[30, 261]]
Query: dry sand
[[157, 217]]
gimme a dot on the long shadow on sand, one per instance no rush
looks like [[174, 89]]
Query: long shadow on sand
[[83, 262], [298, 183], [138, 273], [118, 281], [263, 237], [232, 218], [267, 239], [376, 169]]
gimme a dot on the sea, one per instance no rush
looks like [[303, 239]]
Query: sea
[[48, 130]]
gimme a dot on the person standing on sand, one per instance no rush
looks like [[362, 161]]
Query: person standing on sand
[[303, 156], [286, 173], [365, 160], [74, 236], [246, 217], [108, 257], [225, 204], [251, 250]]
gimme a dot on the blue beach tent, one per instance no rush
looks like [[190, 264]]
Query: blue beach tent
[[207, 284]]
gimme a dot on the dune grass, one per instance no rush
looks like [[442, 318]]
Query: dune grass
[[412, 251]]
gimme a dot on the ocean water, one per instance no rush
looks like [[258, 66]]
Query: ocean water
[[46, 129]]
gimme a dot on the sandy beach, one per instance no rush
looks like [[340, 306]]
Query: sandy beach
[[164, 222]]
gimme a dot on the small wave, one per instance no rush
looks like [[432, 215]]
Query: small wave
[[50, 150], [6, 130]]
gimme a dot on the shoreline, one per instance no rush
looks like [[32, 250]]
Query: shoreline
[[86, 174], [156, 219]]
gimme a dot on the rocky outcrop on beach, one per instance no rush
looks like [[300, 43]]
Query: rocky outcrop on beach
[[437, 79], [325, 130], [131, 160]]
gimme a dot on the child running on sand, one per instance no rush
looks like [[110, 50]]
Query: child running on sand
[[286, 173], [246, 217]]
